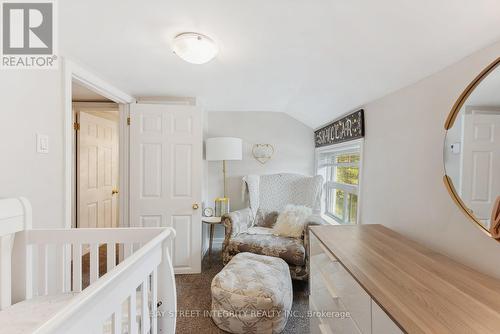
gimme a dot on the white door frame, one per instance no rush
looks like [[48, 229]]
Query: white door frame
[[73, 72]]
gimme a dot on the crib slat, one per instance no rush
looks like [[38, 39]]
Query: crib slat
[[117, 320], [136, 246], [111, 254], [94, 262], [63, 279], [132, 308], [42, 270], [144, 307], [5, 271], [129, 249], [77, 267], [59, 269], [30, 272], [67, 267], [154, 301]]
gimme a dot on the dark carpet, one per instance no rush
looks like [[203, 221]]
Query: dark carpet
[[194, 299]]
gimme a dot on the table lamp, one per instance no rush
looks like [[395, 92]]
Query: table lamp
[[223, 149]]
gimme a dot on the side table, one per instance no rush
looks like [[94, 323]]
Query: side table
[[211, 221]]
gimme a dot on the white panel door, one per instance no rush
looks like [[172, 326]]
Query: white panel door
[[97, 172], [165, 176], [481, 162]]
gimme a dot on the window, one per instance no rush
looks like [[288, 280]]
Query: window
[[340, 167]]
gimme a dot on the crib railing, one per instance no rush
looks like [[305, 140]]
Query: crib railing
[[136, 261]]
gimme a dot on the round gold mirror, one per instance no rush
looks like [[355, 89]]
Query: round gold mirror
[[472, 151]]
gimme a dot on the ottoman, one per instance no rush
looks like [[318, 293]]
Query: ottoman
[[252, 294]]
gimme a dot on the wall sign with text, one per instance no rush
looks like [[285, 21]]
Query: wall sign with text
[[347, 128]]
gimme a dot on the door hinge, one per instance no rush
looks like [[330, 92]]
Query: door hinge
[[128, 120], [76, 126]]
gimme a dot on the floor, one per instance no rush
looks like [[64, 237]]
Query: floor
[[193, 301]]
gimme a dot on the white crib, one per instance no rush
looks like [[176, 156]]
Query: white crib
[[41, 278]]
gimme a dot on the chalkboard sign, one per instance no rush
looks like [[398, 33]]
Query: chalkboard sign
[[347, 128]]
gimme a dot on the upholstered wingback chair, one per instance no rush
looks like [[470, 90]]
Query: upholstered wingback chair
[[250, 229]]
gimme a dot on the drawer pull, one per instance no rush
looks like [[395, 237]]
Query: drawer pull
[[327, 252]]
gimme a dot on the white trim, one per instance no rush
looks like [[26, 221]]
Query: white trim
[[86, 78], [352, 189], [360, 179], [345, 146], [329, 219], [102, 106], [124, 154], [171, 100], [91, 81]]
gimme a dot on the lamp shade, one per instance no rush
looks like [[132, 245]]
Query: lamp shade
[[223, 148]]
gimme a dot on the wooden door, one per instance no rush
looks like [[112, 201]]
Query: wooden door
[[165, 176], [481, 162], [97, 172]]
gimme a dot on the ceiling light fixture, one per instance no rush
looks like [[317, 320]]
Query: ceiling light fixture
[[195, 48]]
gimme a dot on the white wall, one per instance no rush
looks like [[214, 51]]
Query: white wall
[[403, 166], [31, 103], [292, 141]]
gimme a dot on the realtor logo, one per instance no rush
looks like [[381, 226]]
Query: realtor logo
[[28, 34]]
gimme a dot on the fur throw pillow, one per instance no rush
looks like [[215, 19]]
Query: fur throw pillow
[[291, 221]]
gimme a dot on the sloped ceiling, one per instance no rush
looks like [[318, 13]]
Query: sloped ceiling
[[314, 60], [83, 94]]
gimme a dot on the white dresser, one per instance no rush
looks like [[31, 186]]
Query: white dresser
[[338, 303], [368, 279]]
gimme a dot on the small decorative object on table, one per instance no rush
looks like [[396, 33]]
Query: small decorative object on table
[[208, 212], [221, 206]]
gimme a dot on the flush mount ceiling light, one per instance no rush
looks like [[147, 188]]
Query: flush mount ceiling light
[[194, 48]]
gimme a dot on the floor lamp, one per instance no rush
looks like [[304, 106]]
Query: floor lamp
[[223, 149]]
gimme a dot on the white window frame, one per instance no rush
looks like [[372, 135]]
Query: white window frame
[[355, 145]]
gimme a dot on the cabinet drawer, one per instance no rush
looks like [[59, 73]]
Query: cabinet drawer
[[334, 290], [323, 296], [381, 323], [322, 274], [353, 296], [329, 314]]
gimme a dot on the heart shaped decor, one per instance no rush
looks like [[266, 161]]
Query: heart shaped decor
[[262, 152]]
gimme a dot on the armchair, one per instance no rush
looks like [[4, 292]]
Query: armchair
[[250, 229]]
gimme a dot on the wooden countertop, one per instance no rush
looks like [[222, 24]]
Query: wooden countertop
[[421, 290]]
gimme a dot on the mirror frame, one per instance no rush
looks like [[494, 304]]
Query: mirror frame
[[450, 120]]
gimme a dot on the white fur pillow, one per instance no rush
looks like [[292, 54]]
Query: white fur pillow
[[291, 221]]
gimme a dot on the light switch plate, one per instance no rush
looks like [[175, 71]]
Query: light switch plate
[[42, 143], [455, 148]]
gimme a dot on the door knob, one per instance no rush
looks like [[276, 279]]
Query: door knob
[[195, 206], [114, 191]]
